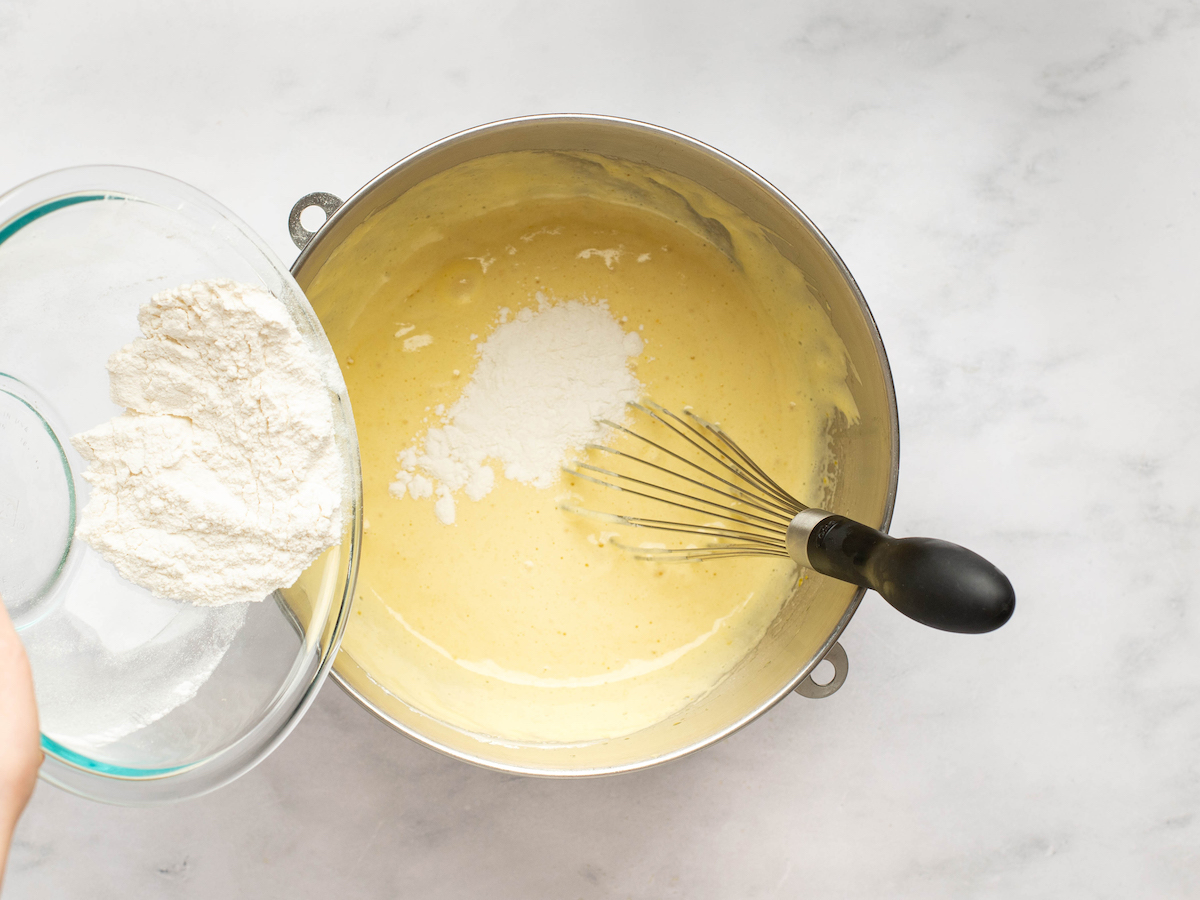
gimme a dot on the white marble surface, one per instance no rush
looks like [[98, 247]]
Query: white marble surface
[[1016, 185]]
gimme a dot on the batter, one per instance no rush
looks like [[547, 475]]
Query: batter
[[521, 622]]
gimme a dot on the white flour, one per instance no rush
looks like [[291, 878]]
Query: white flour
[[542, 381], [222, 481]]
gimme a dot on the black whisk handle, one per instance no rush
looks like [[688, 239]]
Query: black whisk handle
[[934, 582]]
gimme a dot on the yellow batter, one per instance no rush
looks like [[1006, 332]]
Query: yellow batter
[[519, 622]]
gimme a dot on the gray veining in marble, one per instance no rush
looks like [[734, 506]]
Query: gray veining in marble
[[1016, 186]]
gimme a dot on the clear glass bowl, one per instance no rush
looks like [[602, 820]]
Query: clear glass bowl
[[142, 700]]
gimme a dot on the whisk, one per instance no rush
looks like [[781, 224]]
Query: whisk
[[934, 582]]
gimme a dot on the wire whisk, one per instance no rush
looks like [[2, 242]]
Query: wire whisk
[[696, 468], [755, 511]]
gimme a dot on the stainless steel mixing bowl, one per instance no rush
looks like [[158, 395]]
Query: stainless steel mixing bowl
[[867, 451]]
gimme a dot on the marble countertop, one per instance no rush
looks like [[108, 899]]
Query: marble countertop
[[1016, 187]]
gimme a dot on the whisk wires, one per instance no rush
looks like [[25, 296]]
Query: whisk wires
[[716, 478]]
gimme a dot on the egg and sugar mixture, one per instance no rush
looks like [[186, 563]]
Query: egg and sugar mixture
[[480, 602]]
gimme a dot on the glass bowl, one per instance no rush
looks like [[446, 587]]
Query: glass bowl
[[142, 700]]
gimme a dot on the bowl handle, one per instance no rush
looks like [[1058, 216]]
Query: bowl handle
[[841, 665], [321, 200]]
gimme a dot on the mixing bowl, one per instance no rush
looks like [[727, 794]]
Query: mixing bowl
[[141, 700], [714, 196]]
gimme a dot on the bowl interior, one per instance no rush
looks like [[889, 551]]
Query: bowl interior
[[141, 699], [728, 205]]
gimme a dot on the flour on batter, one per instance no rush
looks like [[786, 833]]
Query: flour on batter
[[542, 382]]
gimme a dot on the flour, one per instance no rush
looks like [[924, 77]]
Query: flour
[[222, 481], [542, 381]]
